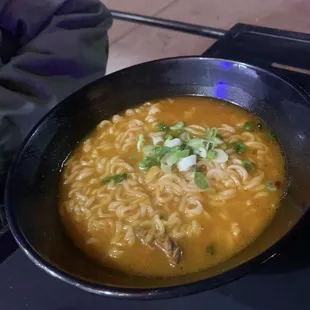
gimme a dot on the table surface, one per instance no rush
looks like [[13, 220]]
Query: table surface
[[24, 286]]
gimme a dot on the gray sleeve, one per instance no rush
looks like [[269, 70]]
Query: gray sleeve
[[64, 45]]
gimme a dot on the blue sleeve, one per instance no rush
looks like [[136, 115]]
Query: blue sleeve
[[64, 45]]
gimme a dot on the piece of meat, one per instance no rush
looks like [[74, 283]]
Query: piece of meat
[[166, 244], [170, 248], [145, 235], [176, 256], [202, 168]]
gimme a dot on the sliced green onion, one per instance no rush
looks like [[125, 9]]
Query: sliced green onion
[[185, 147], [215, 141], [164, 167], [202, 152], [195, 143], [173, 142], [162, 127], [271, 186], [173, 158], [211, 154], [149, 150], [176, 148], [220, 157], [118, 178], [147, 163], [183, 153], [209, 146], [185, 136], [249, 126], [168, 137], [200, 180], [212, 138], [239, 146], [211, 133], [157, 139], [249, 165], [140, 142], [177, 126], [160, 151], [187, 162]]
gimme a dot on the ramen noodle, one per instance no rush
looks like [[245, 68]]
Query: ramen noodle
[[172, 187]]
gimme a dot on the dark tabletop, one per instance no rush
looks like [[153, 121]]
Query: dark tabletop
[[273, 286]]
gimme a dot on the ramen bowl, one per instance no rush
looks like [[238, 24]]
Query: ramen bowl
[[32, 187]]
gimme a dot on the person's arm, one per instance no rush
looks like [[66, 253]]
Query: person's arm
[[60, 45], [64, 45]]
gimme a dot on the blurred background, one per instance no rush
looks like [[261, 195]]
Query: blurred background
[[131, 43]]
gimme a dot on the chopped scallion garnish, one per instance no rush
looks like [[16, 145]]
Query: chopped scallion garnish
[[149, 150], [177, 126], [173, 158], [220, 157], [195, 143], [186, 163], [156, 139], [173, 142], [164, 166], [147, 163], [200, 180], [202, 152], [185, 136], [118, 178], [211, 154], [160, 151], [249, 126], [176, 148], [215, 141], [168, 137], [239, 146], [211, 133], [249, 165], [181, 150], [212, 138], [162, 127]]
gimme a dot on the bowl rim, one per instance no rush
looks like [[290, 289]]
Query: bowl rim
[[142, 293]]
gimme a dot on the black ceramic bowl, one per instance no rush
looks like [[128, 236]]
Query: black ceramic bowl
[[32, 186]]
